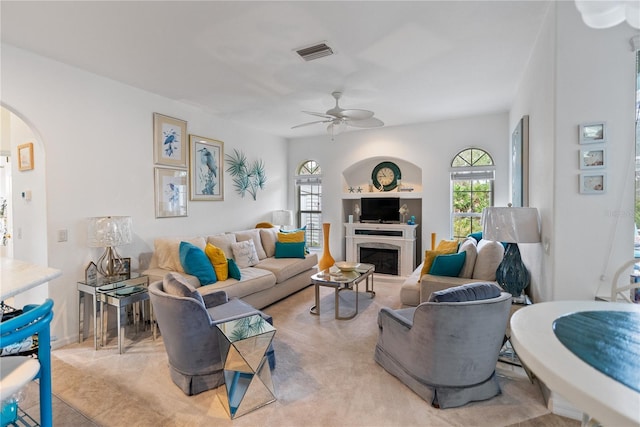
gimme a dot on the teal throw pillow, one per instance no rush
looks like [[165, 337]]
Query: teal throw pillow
[[448, 265], [195, 262], [290, 250], [477, 235], [234, 270]]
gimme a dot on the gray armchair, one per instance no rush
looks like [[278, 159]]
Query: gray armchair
[[446, 350], [188, 321]]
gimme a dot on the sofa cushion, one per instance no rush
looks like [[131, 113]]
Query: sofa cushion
[[167, 251], [175, 284], [219, 261], [223, 241], [285, 268], [490, 255], [448, 265], [469, 292], [269, 237], [468, 246], [195, 262], [289, 250], [244, 253], [254, 235], [253, 280]]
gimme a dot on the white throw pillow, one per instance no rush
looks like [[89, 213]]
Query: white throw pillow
[[468, 246], [245, 253], [490, 256], [269, 237], [253, 234]]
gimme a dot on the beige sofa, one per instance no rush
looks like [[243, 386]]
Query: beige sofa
[[481, 261], [270, 280]]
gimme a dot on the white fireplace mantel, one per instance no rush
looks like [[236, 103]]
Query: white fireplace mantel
[[402, 236]]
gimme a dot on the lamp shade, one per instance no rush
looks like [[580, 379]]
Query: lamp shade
[[282, 217], [511, 225], [109, 231]]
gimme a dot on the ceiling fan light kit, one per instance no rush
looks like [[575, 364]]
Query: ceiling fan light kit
[[340, 119]]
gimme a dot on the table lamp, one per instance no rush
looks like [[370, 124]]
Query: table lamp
[[282, 217], [109, 232], [512, 226]]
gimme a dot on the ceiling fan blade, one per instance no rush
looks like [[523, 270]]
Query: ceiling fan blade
[[371, 122], [355, 114], [311, 123], [313, 113]]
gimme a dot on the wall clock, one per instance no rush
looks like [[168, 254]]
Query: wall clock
[[385, 176]]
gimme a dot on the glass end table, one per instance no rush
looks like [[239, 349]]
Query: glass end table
[[340, 280], [248, 384]]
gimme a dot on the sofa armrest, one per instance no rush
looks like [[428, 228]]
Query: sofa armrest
[[393, 315], [215, 298]]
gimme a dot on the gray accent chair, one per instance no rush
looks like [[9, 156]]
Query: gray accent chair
[[187, 321], [446, 349]]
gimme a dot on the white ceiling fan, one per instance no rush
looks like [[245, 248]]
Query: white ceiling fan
[[340, 118]]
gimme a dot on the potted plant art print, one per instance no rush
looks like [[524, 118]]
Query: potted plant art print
[[206, 169], [169, 140], [171, 192]]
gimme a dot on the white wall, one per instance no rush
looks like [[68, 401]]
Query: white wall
[[97, 135], [431, 146], [579, 75]]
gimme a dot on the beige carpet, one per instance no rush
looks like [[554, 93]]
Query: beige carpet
[[325, 376]]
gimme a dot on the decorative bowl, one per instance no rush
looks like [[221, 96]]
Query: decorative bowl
[[346, 266]]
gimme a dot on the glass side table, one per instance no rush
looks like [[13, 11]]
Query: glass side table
[[120, 295], [247, 377], [90, 289]]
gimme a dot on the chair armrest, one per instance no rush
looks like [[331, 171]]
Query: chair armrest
[[215, 298], [391, 314]]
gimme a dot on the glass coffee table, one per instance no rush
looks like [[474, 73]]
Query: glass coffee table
[[340, 280]]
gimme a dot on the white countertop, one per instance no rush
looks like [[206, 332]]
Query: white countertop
[[18, 276], [601, 397]]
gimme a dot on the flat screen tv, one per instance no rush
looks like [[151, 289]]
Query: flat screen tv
[[380, 209]]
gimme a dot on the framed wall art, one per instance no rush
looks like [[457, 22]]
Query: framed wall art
[[593, 183], [520, 164], [122, 266], [206, 168], [593, 158], [169, 141], [170, 192], [25, 156], [593, 133]]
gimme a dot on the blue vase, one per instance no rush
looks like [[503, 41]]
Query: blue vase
[[512, 274]]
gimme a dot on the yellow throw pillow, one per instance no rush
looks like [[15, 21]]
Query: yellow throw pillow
[[295, 237], [218, 260], [447, 246], [264, 225], [429, 256]]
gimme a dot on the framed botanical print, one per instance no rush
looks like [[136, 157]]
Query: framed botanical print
[[206, 168], [171, 192], [169, 141], [520, 164]]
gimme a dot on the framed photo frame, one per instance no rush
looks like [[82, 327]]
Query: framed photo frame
[[593, 183], [171, 190], [206, 168], [169, 141], [520, 164], [595, 158], [25, 156], [122, 266], [593, 133]]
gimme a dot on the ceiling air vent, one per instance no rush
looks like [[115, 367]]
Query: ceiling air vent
[[310, 53]]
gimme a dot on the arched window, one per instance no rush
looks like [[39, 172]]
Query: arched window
[[309, 197], [472, 176]]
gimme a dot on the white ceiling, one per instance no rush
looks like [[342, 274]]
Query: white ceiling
[[409, 62]]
